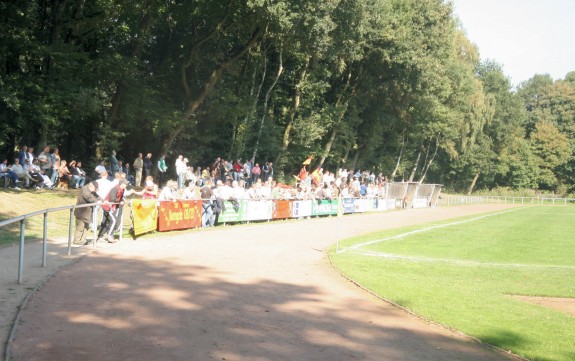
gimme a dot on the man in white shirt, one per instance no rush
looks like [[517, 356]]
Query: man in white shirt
[[181, 168], [104, 185]]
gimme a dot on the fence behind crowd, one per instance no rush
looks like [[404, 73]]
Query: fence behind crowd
[[149, 215]]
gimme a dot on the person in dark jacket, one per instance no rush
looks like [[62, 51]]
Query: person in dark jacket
[[83, 215]]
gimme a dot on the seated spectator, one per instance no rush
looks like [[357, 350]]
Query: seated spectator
[[78, 175], [191, 192], [21, 173], [128, 172], [150, 190], [64, 175], [169, 192], [101, 167], [6, 172], [35, 172], [81, 173]]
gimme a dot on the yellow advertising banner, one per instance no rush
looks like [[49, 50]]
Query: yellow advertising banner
[[145, 215]]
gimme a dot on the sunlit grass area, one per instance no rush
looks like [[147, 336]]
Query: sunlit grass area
[[463, 274]]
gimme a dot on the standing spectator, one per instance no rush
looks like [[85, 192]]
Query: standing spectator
[[181, 168], [45, 160], [148, 165], [238, 170], [104, 184], [256, 172], [162, 168], [55, 155], [22, 154], [114, 165], [84, 215], [30, 155], [266, 171], [271, 171], [248, 172], [138, 166], [112, 211], [206, 194]]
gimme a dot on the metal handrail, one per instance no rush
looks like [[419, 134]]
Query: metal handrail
[[24, 217]]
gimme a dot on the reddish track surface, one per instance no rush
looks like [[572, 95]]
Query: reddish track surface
[[257, 292]]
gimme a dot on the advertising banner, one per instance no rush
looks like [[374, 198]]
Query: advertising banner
[[422, 202], [235, 212], [259, 210], [363, 205], [144, 215], [348, 205], [282, 209], [301, 209], [179, 215], [324, 207]]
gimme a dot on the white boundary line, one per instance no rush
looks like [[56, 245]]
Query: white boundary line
[[458, 262], [354, 247]]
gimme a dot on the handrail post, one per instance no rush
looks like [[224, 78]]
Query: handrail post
[[21, 258], [70, 232], [45, 239]]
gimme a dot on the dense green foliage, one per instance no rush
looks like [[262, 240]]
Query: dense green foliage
[[392, 86], [467, 275]]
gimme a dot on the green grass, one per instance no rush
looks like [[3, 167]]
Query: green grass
[[464, 275], [16, 203]]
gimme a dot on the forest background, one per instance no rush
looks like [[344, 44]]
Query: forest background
[[390, 86]]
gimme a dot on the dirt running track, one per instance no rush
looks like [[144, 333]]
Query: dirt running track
[[260, 292]]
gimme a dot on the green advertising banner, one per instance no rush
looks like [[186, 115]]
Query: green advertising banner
[[324, 207], [234, 212]]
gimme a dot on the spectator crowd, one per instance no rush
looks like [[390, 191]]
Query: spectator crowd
[[222, 180]]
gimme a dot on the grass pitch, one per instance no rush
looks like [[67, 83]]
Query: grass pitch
[[464, 273]]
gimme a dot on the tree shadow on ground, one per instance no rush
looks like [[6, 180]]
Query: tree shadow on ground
[[108, 307]]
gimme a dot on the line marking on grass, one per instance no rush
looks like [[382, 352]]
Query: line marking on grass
[[457, 261], [354, 247]]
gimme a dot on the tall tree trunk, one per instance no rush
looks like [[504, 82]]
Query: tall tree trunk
[[354, 161], [265, 109], [343, 102], [328, 145], [403, 144], [293, 111], [473, 182], [429, 161], [137, 45], [209, 84], [415, 166]]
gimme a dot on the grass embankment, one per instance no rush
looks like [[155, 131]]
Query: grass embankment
[[464, 276], [16, 203]]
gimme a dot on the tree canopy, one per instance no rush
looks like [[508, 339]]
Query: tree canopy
[[389, 86]]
